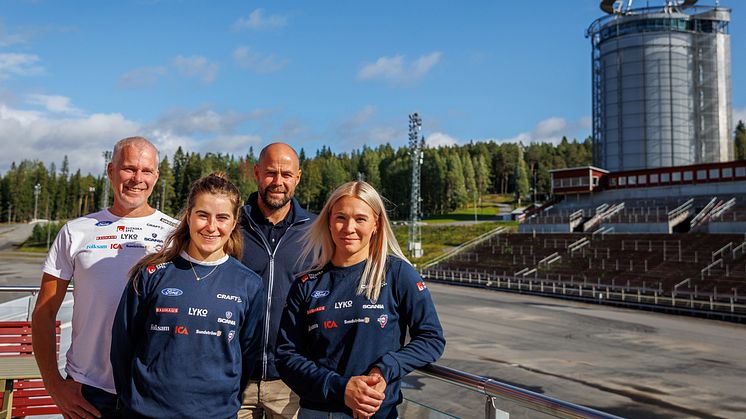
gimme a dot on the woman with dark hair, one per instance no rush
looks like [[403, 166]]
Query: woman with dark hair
[[185, 333], [341, 345]]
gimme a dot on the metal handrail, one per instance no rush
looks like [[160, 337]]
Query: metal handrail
[[487, 386], [526, 398]]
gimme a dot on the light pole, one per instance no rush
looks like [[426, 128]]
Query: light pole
[[37, 188]]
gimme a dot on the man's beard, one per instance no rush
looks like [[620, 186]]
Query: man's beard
[[275, 204]]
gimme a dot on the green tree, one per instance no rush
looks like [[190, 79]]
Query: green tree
[[740, 138], [456, 193], [521, 177]]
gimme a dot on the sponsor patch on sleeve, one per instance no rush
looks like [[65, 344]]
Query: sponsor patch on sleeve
[[421, 286]]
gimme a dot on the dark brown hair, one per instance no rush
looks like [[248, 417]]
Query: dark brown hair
[[215, 183]]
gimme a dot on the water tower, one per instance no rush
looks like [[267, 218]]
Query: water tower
[[661, 85]]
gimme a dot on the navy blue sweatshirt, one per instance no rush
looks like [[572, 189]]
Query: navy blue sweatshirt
[[329, 333], [182, 347]]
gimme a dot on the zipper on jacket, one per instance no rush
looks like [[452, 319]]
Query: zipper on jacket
[[271, 281]]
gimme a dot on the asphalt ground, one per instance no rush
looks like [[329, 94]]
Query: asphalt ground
[[625, 362]]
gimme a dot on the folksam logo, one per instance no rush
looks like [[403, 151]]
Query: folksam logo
[[319, 294], [171, 292]]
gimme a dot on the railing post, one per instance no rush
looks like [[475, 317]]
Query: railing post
[[492, 412]]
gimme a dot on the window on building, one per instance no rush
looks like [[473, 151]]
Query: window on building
[[714, 173], [654, 178], [642, 179], [702, 174], [612, 181], [622, 181], [632, 180], [727, 172], [676, 177], [740, 171], [665, 177], [688, 175]]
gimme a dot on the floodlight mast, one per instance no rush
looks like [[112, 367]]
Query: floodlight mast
[[416, 146], [105, 198]]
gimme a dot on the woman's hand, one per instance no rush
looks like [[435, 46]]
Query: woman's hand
[[362, 396]]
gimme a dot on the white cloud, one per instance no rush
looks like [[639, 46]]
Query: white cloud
[[54, 104], [396, 69], [189, 122], [440, 139], [365, 128], [196, 66], [551, 130], [14, 64], [142, 77], [232, 144], [37, 135], [257, 61], [258, 21]]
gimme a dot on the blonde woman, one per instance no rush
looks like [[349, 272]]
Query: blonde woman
[[341, 345]]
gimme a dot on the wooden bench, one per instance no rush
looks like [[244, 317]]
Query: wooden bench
[[29, 397]]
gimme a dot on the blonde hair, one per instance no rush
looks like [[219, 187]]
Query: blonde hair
[[215, 183], [320, 246]]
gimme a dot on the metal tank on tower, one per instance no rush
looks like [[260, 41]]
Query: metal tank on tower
[[661, 85]]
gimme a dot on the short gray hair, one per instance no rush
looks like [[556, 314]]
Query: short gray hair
[[138, 142]]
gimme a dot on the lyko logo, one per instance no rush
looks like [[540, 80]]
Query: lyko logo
[[120, 228], [128, 236], [343, 304], [115, 246], [330, 324], [181, 330], [201, 312]]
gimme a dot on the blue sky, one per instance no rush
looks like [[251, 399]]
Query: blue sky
[[222, 76]]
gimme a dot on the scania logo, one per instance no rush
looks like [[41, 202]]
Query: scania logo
[[319, 294], [228, 314], [171, 292]]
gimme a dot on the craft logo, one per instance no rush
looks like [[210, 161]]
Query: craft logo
[[181, 330], [229, 297], [330, 324], [171, 292], [365, 320], [319, 294], [421, 285], [116, 246], [382, 320], [200, 312], [172, 310], [96, 246], [156, 328], [315, 310], [154, 226], [231, 335], [343, 304], [128, 236], [112, 237], [373, 306], [168, 222], [103, 223], [208, 332]]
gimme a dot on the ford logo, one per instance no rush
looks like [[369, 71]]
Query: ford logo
[[171, 292], [103, 223], [319, 294]]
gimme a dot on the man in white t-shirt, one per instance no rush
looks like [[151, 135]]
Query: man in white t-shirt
[[97, 252]]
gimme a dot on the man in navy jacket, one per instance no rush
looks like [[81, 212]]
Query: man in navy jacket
[[272, 223]]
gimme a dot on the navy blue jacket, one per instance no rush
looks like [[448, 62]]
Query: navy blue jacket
[[329, 333], [181, 348], [278, 270]]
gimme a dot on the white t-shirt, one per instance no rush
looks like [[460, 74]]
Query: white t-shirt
[[97, 251]]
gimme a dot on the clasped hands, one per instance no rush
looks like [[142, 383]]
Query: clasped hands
[[364, 394]]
